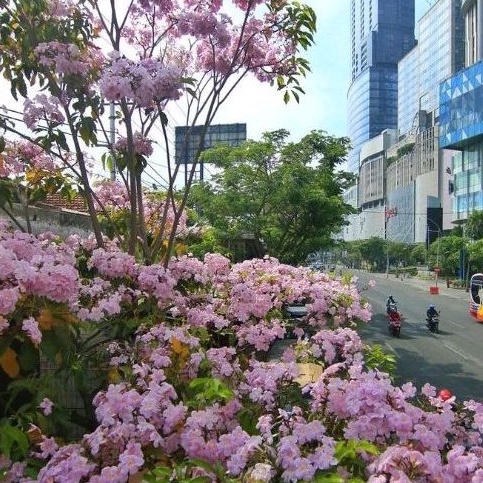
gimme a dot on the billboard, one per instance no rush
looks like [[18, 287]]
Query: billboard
[[189, 140]]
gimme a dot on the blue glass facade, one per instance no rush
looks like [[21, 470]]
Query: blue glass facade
[[461, 119], [438, 54], [408, 91], [460, 111], [382, 32]]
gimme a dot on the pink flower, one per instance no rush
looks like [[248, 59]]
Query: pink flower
[[48, 446], [46, 406], [262, 472], [131, 460], [31, 327]]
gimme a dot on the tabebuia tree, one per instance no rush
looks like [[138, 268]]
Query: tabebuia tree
[[67, 60], [288, 194]]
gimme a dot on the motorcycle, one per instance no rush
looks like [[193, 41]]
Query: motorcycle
[[432, 323], [394, 320]]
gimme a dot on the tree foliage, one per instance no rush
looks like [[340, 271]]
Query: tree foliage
[[140, 56], [375, 252], [445, 252], [474, 225], [288, 194], [475, 255]]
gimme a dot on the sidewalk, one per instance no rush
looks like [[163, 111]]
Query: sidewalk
[[426, 284]]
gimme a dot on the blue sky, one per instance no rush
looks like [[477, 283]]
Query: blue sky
[[324, 104]]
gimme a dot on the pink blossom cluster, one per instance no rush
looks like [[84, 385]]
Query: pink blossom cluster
[[261, 335], [141, 145], [203, 24], [111, 195], [194, 372], [144, 82], [266, 52], [291, 444], [263, 381], [36, 268], [62, 8], [21, 155], [42, 107], [69, 59], [165, 6], [113, 263]]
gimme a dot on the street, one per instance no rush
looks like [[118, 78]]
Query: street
[[452, 358]]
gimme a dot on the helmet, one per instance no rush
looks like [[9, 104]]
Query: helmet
[[445, 394], [431, 306]]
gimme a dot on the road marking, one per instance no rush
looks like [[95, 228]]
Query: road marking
[[391, 348], [472, 359], [456, 324], [454, 349]]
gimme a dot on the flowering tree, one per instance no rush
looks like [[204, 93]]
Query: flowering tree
[[28, 172], [196, 393], [140, 56]]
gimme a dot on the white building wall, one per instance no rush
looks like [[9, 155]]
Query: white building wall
[[426, 185], [371, 223]]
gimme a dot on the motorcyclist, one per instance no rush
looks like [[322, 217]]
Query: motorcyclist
[[431, 312], [390, 304]]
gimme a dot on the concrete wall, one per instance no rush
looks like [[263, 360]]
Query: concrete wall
[[62, 222]]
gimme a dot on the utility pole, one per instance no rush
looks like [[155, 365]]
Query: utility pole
[[112, 133], [387, 244]]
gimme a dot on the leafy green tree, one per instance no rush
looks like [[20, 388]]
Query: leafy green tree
[[374, 252], [475, 255], [287, 194], [399, 253], [445, 252], [474, 225], [418, 254]]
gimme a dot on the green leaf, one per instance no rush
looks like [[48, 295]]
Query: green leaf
[[201, 464], [164, 118], [28, 356], [5, 342], [13, 442], [191, 92], [247, 421], [85, 131], [13, 89], [6, 193], [332, 477], [2, 144], [121, 162], [21, 86], [61, 140]]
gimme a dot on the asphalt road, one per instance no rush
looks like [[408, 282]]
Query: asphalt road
[[452, 358]]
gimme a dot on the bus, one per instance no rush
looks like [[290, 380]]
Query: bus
[[476, 296]]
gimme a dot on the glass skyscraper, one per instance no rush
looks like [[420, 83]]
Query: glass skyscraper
[[382, 32], [438, 54], [461, 118]]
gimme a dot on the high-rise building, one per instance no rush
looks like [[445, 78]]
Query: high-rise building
[[461, 119], [413, 174], [382, 32], [438, 54]]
